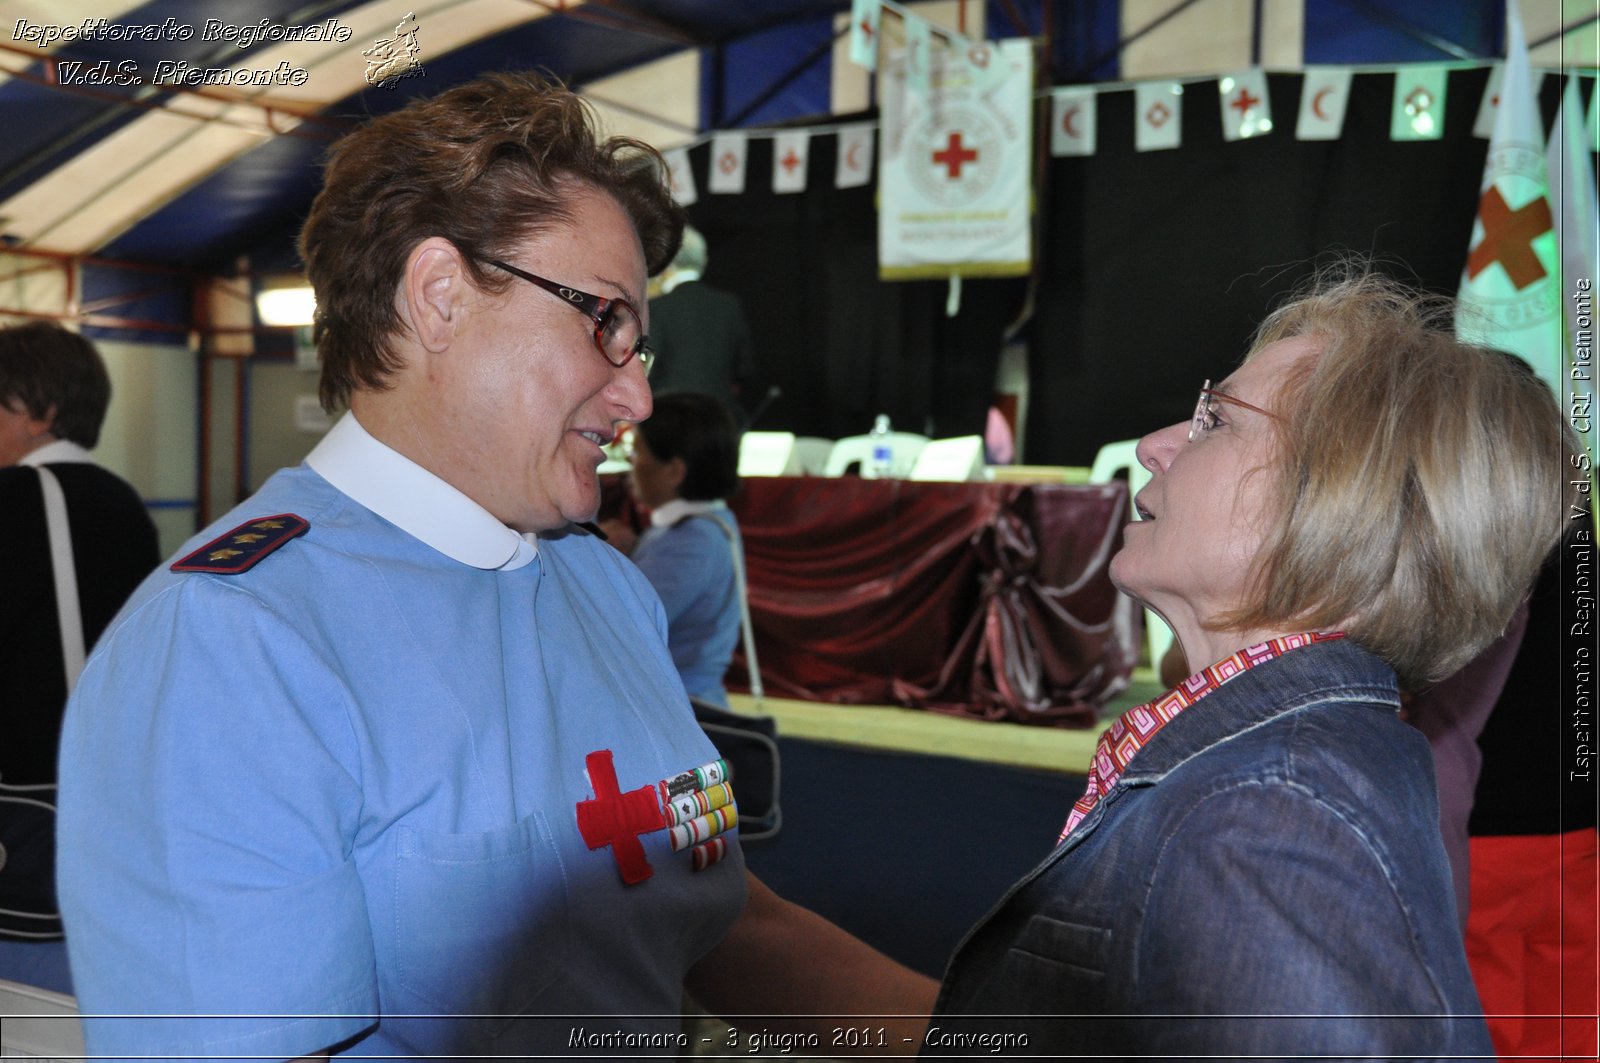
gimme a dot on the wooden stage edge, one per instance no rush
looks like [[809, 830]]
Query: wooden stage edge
[[899, 730]]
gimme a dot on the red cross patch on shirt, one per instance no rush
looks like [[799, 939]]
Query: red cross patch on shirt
[[697, 806]]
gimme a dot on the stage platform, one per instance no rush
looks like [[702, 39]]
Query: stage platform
[[890, 728]]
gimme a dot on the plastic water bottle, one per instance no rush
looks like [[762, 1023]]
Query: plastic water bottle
[[880, 465]]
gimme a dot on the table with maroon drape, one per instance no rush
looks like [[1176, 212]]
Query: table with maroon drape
[[988, 600]]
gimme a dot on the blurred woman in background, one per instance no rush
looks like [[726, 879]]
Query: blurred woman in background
[[685, 464]]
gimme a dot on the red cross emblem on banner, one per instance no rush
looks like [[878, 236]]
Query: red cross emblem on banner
[[614, 818], [1244, 101], [1158, 114], [867, 28], [955, 155], [728, 163], [790, 160], [1508, 237]]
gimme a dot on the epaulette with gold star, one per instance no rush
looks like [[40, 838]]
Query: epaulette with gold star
[[242, 548]]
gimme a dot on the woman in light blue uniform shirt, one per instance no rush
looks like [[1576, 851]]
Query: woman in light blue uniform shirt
[[381, 762], [685, 463]]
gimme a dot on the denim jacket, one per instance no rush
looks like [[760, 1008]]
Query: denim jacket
[[1265, 879]]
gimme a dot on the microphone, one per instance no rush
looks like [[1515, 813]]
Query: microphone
[[772, 394]]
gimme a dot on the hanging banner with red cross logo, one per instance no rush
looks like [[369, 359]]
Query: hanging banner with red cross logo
[[954, 174], [1246, 110], [789, 154], [1510, 297]]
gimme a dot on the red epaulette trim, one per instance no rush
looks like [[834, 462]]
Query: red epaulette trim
[[245, 546]]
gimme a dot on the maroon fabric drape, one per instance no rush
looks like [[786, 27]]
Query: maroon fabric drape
[[985, 600]]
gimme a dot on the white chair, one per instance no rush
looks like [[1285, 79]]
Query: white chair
[[903, 446], [813, 453], [768, 454], [39, 1024], [955, 459], [1121, 457]]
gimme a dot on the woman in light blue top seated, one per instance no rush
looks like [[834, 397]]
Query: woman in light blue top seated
[[685, 462]]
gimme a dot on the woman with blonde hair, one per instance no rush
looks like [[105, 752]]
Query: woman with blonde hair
[[1256, 867]]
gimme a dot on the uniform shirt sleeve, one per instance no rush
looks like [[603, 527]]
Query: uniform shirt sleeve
[[1271, 902], [684, 564], [209, 800]]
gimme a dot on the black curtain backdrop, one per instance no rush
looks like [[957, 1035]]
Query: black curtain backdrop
[[1153, 267], [842, 345]]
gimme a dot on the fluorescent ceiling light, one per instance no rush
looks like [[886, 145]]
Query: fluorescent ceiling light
[[286, 306]]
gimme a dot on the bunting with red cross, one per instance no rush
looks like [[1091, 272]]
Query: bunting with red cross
[[1246, 107], [865, 18], [789, 160], [1510, 296], [954, 166]]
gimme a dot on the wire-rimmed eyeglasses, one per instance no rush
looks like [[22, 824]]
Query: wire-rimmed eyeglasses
[[1205, 410]]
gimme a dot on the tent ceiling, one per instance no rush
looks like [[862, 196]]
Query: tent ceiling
[[161, 171], [197, 176]]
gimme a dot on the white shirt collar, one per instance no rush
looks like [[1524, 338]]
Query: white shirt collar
[[679, 508], [415, 500], [683, 276], [60, 452]]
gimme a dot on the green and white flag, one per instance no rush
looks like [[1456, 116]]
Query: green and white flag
[[1510, 296], [1572, 191], [865, 18]]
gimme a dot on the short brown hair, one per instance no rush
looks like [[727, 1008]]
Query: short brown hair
[[484, 165], [43, 365], [701, 430], [1419, 479]]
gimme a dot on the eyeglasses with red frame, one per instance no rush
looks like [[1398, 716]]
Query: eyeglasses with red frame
[[1205, 411], [618, 331]]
